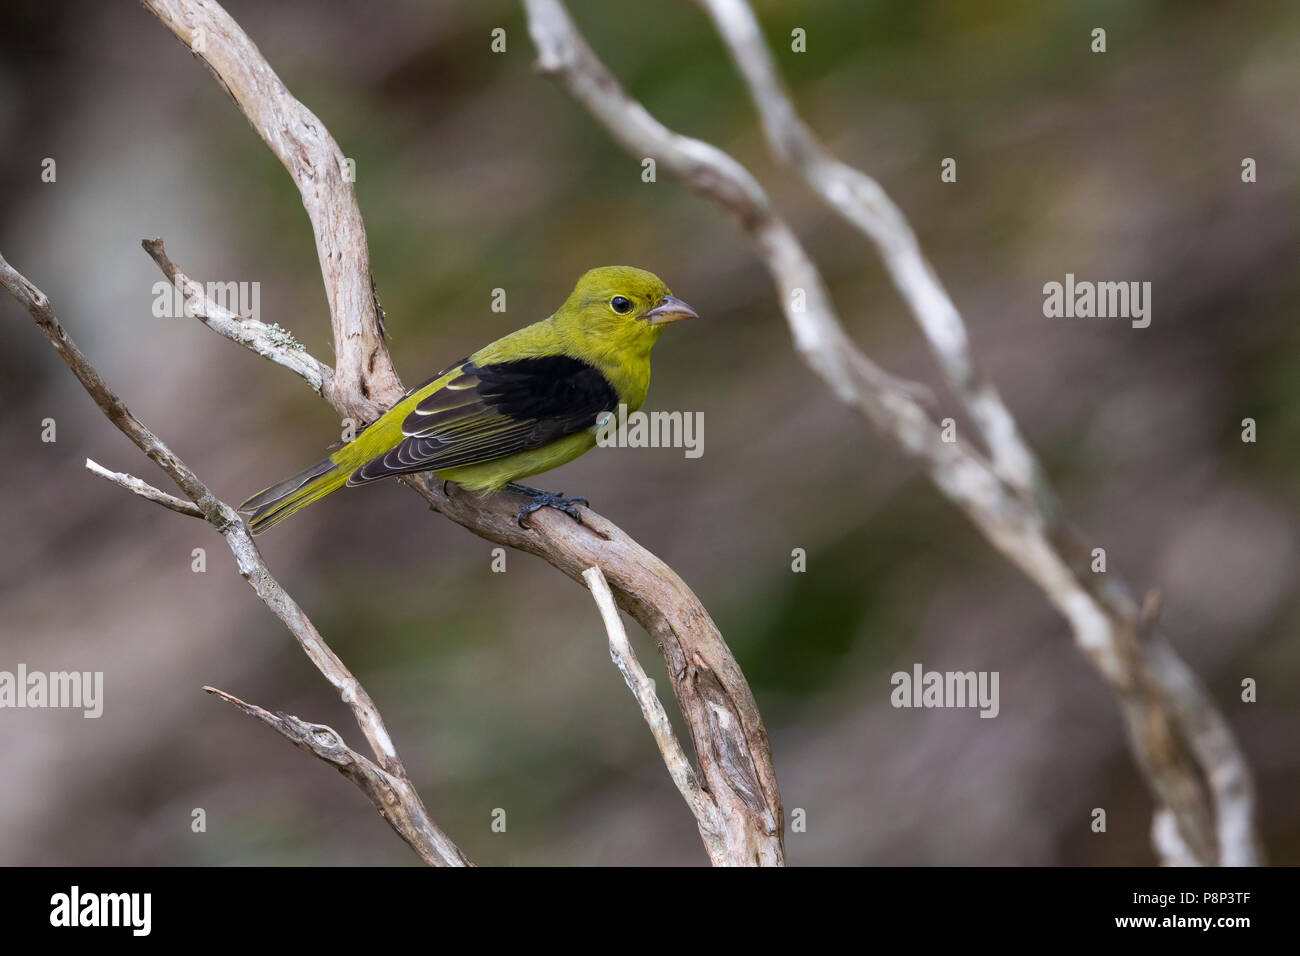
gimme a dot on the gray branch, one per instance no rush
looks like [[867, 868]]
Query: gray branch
[[393, 795], [861, 201], [302, 143], [731, 743], [269, 341], [643, 690], [144, 490], [407, 815], [1182, 744]]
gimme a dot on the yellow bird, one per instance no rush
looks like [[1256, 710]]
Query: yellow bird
[[527, 403]]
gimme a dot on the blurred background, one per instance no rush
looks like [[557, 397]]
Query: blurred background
[[475, 173]]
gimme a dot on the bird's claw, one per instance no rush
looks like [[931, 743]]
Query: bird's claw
[[545, 499]]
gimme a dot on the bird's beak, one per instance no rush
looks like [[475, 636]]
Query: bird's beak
[[669, 309]]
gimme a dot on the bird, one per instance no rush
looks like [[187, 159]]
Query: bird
[[529, 402]]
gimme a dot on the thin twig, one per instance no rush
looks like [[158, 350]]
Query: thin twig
[[393, 796], [269, 341], [302, 143], [408, 817], [144, 490], [643, 689]]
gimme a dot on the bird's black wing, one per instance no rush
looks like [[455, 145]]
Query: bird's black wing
[[485, 412]]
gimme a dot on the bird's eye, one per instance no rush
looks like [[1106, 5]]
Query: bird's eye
[[620, 305]]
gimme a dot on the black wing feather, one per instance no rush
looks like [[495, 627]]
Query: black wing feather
[[496, 410]]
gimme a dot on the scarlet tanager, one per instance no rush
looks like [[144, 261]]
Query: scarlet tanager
[[527, 403]]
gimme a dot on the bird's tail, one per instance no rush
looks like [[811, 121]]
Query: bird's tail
[[270, 507]]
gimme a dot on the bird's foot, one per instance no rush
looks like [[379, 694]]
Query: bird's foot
[[545, 499]]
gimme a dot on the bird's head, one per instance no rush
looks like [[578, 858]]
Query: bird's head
[[620, 307]]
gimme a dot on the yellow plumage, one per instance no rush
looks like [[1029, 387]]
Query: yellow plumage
[[525, 404]]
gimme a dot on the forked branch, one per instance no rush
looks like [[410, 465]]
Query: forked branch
[[1182, 744], [731, 745], [386, 784]]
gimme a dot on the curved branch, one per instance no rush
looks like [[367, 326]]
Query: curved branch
[[642, 688], [302, 143], [407, 815], [146, 491], [269, 341], [861, 201], [393, 795], [731, 744], [1182, 745]]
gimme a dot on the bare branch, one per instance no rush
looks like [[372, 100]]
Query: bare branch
[[643, 689], [731, 743], [35, 302], [146, 491], [251, 567], [1182, 745], [861, 201], [368, 383], [732, 747], [269, 341], [393, 796]]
